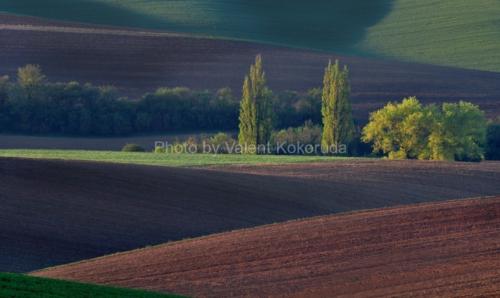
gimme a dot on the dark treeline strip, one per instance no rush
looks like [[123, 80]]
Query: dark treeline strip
[[31, 105], [493, 140]]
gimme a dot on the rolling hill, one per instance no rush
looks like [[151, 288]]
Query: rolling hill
[[55, 212], [458, 33], [429, 250], [137, 62], [22, 286]]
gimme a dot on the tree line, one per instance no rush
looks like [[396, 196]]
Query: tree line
[[30, 104]]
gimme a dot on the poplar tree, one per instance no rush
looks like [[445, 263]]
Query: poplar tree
[[338, 124], [255, 109], [248, 118]]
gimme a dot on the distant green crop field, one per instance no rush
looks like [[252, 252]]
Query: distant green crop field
[[164, 159], [461, 33], [22, 286]]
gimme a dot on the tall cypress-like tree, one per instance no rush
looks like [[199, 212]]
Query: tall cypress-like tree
[[255, 110], [338, 125], [248, 118]]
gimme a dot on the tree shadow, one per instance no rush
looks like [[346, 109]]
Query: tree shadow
[[321, 24], [318, 24], [84, 11]]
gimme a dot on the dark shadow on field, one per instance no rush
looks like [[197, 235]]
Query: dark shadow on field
[[141, 63], [318, 24], [321, 24], [84, 11]]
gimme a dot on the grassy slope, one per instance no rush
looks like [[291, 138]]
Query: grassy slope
[[458, 33], [182, 160], [16, 285], [449, 32]]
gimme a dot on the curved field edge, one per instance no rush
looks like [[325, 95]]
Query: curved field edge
[[457, 33], [165, 159], [148, 62], [298, 221], [429, 254], [296, 24], [102, 212], [23, 286]]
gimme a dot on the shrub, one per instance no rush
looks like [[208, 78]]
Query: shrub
[[159, 149], [132, 148], [219, 143], [308, 134]]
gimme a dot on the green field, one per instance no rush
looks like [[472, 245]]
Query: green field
[[22, 286], [460, 33], [163, 159]]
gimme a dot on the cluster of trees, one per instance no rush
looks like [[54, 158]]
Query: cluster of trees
[[454, 131], [256, 110], [33, 105], [406, 130]]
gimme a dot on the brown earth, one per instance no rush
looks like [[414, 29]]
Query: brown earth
[[55, 212], [136, 61], [446, 249]]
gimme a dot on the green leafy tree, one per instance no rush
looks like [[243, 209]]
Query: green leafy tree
[[30, 76], [338, 124], [460, 133], [457, 131], [32, 88], [255, 109], [248, 119], [400, 129]]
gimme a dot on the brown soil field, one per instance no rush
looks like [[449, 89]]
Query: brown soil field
[[136, 61], [55, 212], [446, 249]]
